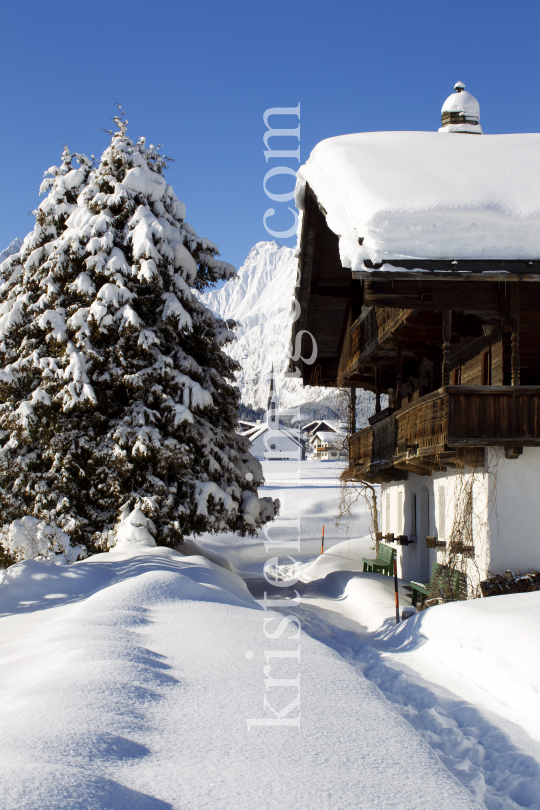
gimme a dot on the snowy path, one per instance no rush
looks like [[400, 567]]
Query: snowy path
[[131, 681], [128, 682], [309, 496], [495, 760], [490, 743]]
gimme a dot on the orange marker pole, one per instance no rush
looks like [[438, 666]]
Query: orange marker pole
[[322, 541], [396, 591]]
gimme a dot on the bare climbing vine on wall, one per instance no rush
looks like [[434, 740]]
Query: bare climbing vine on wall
[[472, 503], [356, 489]]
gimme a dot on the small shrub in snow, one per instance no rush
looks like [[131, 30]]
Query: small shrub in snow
[[133, 531], [114, 387], [29, 538]]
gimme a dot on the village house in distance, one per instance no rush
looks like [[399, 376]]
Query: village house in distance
[[418, 278]]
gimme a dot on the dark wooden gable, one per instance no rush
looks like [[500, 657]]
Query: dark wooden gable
[[327, 295]]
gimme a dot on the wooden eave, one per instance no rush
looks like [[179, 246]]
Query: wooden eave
[[457, 269], [487, 300], [333, 301], [326, 292]]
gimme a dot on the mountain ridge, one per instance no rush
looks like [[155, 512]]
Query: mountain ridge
[[260, 299]]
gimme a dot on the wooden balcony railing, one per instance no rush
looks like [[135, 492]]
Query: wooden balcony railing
[[371, 329], [431, 433], [479, 413]]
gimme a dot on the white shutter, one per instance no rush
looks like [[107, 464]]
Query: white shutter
[[442, 513]]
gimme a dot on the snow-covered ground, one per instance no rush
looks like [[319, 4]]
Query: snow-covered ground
[[140, 679], [464, 676], [309, 493], [146, 679]]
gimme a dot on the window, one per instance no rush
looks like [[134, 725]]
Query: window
[[400, 513]]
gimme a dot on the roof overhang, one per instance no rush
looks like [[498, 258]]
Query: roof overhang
[[450, 270]]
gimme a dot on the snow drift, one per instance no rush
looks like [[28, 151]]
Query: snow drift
[[129, 679]]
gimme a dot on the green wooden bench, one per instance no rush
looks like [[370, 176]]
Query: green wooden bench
[[383, 562], [454, 581]]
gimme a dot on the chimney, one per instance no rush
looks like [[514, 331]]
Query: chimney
[[461, 112]]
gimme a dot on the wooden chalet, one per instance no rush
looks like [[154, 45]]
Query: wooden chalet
[[453, 343]]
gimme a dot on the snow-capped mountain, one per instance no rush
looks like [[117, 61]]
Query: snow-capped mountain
[[260, 299], [12, 248]]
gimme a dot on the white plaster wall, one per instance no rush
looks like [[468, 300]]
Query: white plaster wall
[[514, 520], [415, 561], [505, 522], [458, 485]]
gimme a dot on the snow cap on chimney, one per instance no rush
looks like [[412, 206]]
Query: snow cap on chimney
[[461, 112]]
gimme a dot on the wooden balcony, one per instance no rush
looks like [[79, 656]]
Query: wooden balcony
[[447, 428], [374, 326]]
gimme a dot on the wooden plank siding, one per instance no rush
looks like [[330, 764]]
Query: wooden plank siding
[[371, 340], [368, 333], [423, 426], [529, 336], [471, 372], [507, 416]]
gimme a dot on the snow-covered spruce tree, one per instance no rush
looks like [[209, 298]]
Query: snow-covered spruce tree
[[114, 392]]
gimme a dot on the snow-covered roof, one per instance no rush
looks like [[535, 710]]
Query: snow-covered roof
[[423, 194], [325, 436], [263, 428], [246, 427]]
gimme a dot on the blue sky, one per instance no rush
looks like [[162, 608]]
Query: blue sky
[[197, 77]]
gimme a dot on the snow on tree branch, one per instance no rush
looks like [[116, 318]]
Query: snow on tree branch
[[115, 391]]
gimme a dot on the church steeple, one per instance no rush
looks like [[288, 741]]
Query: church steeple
[[272, 390], [272, 416]]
